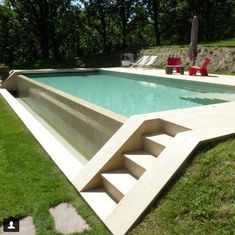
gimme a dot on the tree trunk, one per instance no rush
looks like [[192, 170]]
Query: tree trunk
[[103, 25], [124, 22], [44, 43], [155, 8], [104, 34], [55, 43], [124, 36], [43, 28]]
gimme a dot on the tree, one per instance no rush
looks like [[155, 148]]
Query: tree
[[98, 12], [125, 11], [213, 24], [31, 29], [42, 17], [155, 9]]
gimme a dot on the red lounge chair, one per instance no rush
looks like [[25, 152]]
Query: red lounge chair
[[203, 70], [174, 62]]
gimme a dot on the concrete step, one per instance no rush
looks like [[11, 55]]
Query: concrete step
[[118, 182], [138, 162], [99, 200], [154, 143]]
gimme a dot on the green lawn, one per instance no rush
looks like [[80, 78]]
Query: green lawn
[[222, 43], [30, 183], [200, 201]]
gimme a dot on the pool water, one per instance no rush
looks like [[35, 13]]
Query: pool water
[[132, 94]]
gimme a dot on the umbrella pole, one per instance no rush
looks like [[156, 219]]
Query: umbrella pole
[[194, 61]]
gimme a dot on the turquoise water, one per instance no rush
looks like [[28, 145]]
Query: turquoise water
[[135, 94]]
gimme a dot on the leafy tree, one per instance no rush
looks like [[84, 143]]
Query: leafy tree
[[31, 29], [43, 18], [98, 13], [216, 18], [159, 9], [125, 11]]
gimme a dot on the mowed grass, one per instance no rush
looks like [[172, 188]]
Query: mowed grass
[[201, 200], [30, 183], [223, 43]]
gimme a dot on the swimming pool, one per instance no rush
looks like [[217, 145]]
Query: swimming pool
[[128, 94], [104, 101]]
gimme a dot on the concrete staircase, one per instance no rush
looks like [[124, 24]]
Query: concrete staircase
[[118, 182], [119, 172]]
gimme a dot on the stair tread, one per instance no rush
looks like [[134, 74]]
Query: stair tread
[[121, 179], [142, 158], [99, 201], [162, 139]]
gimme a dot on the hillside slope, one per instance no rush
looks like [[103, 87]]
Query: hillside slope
[[223, 58], [201, 201]]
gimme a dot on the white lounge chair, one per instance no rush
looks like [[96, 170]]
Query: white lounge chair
[[151, 61], [140, 62]]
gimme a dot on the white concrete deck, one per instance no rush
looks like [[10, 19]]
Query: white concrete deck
[[212, 78]]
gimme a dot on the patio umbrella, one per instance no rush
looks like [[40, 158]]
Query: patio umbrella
[[192, 53]]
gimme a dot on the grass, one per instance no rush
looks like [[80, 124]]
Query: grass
[[30, 182], [200, 201], [223, 43]]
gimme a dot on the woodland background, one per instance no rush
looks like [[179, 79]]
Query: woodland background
[[43, 29]]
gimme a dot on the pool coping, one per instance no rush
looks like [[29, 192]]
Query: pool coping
[[228, 80], [218, 79]]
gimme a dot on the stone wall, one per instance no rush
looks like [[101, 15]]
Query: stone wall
[[223, 58]]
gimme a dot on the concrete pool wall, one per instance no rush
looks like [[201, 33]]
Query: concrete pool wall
[[86, 126]]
